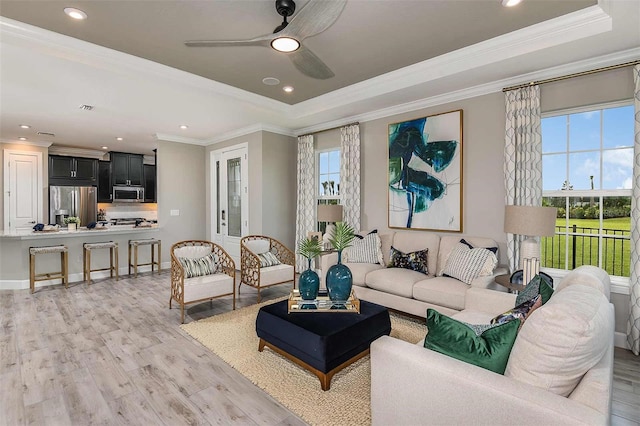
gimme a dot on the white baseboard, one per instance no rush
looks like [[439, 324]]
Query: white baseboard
[[24, 284], [620, 340]]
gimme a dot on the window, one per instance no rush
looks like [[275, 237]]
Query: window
[[328, 180], [587, 167]]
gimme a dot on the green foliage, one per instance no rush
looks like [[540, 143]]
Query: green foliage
[[342, 236], [309, 248], [71, 219]]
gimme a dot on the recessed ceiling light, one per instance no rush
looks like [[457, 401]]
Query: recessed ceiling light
[[25, 126], [119, 138], [288, 89], [510, 3], [271, 81], [22, 139], [105, 147], [184, 126], [74, 13], [86, 107], [285, 44]]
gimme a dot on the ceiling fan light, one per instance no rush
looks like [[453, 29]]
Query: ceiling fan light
[[74, 13], [510, 3], [285, 44]]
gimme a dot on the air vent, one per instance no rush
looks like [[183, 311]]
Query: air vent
[[47, 134], [86, 107]]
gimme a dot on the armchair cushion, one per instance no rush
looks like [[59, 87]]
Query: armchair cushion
[[268, 259], [490, 349], [206, 286], [258, 246], [205, 265], [276, 274]]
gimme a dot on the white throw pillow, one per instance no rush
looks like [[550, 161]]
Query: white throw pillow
[[467, 264], [562, 340], [258, 246], [367, 249]]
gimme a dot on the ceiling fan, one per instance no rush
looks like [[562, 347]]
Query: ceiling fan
[[314, 18]]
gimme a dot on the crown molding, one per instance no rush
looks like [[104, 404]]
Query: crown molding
[[32, 143], [76, 50], [573, 26], [480, 90], [180, 139], [77, 152], [260, 127]]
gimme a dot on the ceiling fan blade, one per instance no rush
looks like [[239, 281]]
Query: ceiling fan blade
[[309, 64], [315, 17], [264, 40]]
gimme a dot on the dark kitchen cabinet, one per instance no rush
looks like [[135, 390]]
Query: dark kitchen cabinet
[[127, 169], [72, 170], [105, 187], [149, 183]]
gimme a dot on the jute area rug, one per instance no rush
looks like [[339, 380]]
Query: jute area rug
[[233, 338]]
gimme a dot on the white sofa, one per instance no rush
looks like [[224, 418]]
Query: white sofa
[[413, 292], [412, 385]]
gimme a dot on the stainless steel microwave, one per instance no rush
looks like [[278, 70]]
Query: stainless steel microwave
[[128, 194]]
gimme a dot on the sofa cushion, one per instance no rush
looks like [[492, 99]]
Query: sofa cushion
[[205, 265], [521, 312], [386, 240], [396, 281], [365, 249], [207, 286], [442, 291], [268, 259], [447, 243], [467, 264], [360, 270], [562, 340], [456, 339], [408, 241], [416, 260], [588, 275], [537, 286], [472, 317]]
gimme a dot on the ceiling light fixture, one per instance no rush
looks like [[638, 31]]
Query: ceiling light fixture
[[285, 44], [288, 89], [74, 13], [270, 81], [119, 138], [184, 126], [105, 147], [25, 126], [22, 138], [510, 3]]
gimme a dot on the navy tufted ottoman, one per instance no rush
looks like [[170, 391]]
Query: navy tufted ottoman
[[323, 343]]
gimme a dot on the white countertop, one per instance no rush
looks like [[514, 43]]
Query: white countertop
[[81, 232]]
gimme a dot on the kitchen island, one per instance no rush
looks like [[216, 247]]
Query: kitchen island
[[14, 252]]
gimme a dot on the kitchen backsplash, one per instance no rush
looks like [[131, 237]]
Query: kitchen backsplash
[[147, 211]]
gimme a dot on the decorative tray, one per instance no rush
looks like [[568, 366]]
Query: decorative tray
[[322, 304]]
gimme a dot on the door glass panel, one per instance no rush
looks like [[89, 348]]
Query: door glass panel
[[234, 198], [218, 197]]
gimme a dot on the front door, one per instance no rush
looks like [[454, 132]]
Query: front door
[[22, 189], [230, 199]]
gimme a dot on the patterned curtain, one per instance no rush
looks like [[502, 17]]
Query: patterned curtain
[[633, 325], [350, 174], [522, 157], [305, 215]]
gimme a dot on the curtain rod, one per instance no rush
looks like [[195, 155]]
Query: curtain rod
[[577, 74], [330, 128]]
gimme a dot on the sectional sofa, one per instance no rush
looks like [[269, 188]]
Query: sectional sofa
[[410, 291]]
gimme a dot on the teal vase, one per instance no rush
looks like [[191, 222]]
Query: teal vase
[[309, 284], [339, 281]]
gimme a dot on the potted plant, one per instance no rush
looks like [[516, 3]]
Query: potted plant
[[72, 222], [309, 282], [339, 278]]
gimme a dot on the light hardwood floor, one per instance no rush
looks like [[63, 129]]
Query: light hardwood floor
[[113, 353]]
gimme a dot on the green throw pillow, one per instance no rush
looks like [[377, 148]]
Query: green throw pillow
[[537, 286], [489, 350]]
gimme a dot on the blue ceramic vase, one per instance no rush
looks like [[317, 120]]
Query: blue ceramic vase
[[339, 281], [309, 284]]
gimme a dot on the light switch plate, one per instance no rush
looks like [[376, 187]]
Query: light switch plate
[[175, 213]]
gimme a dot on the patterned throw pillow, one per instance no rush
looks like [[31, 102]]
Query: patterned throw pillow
[[521, 312], [199, 267], [466, 264], [537, 286], [268, 259], [365, 249], [416, 260]]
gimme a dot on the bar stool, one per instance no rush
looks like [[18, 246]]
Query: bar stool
[[64, 265], [150, 242], [86, 259]]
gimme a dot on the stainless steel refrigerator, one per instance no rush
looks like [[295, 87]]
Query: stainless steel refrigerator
[[80, 201]]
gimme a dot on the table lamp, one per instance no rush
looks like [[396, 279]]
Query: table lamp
[[330, 213], [530, 221]]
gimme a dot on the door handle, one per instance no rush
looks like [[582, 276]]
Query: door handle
[[33, 221]]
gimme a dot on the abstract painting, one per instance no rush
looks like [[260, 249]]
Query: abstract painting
[[425, 173]]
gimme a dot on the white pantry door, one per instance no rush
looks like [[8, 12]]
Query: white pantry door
[[230, 198], [22, 189]]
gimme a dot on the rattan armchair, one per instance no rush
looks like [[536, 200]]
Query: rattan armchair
[[220, 283], [253, 275]]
